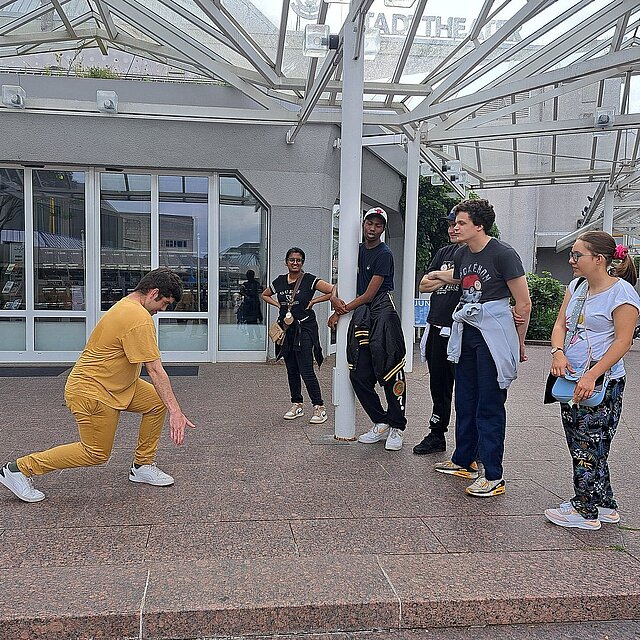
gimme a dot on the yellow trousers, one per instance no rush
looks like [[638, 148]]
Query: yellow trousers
[[97, 424]]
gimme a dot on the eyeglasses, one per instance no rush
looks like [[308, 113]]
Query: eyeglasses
[[574, 256], [300, 260]]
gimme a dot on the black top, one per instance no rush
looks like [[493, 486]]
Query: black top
[[284, 291], [375, 262], [484, 275], [445, 299]]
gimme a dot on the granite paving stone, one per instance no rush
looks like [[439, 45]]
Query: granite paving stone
[[507, 588], [273, 526], [367, 536], [270, 596], [73, 546]]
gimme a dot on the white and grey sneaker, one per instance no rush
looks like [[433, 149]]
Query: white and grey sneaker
[[319, 414], [394, 440], [378, 432], [296, 411], [150, 474], [20, 485]]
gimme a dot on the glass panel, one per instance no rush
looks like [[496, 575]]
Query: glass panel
[[58, 239], [125, 234], [11, 239], [184, 234], [13, 335], [242, 275], [60, 334], [182, 335]]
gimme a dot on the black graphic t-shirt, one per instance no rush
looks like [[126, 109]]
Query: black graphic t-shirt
[[284, 290], [445, 299], [484, 275], [375, 262]]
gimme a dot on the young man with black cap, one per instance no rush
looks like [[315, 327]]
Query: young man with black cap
[[375, 343], [444, 299]]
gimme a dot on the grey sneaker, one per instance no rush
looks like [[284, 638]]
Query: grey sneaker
[[20, 485], [608, 515], [567, 516], [296, 411], [319, 414], [150, 474], [394, 440], [483, 488], [451, 468], [378, 432]]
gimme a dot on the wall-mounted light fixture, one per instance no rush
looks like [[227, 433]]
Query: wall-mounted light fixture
[[603, 121], [107, 101], [318, 41], [13, 96]]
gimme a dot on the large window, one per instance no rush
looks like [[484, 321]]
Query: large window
[[12, 293], [125, 234], [58, 240], [242, 268]]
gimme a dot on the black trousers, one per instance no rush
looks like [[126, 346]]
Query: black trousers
[[300, 365], [363, 381], [441, 379]]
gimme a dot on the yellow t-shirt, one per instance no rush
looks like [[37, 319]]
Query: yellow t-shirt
[[110, 364]]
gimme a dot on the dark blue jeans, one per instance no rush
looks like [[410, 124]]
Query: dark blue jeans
[[300, 365], [480, 414]]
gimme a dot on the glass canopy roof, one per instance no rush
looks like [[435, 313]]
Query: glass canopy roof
[[512, 88]]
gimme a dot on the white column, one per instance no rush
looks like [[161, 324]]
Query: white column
[[410, 243], [349, 226], [607, 216]]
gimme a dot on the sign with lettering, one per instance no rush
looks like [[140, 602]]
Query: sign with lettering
[[420, 312]]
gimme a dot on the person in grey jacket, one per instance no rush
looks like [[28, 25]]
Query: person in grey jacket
[[486, 344]]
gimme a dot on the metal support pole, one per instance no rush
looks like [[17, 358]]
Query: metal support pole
[[607, 216], [410, 243], [349, 226]]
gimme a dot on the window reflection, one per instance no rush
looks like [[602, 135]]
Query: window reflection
[[242, 275], [11, 239], [184, 244], [125, 233], [59, 227]]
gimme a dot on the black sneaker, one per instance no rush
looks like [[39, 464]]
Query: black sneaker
[[431, 444]]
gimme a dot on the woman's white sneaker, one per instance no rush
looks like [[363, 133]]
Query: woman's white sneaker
[[567, 516], [394, 440], [296, 411], [150, 474], [319, 414], [610, 516], [20, 485]]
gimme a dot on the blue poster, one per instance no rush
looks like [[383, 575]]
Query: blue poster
[[420, 312]]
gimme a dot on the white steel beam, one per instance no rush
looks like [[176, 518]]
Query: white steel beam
[[106, 18], [63, 17]]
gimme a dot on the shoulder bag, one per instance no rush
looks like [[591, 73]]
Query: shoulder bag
[[564, 387]]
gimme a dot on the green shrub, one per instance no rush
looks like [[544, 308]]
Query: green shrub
[[547, 294]]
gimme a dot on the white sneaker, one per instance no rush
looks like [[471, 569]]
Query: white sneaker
[[150, 474], [319, 414], [608, 515], [20, 485], [296, 411], [567, 516], [394, 440], [378, 432]]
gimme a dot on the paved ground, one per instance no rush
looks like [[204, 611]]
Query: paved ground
[[273, 527]]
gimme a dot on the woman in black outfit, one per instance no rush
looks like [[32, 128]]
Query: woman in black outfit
[[301, 339]]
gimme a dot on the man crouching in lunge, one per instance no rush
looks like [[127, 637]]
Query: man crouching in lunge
[[104, 382]]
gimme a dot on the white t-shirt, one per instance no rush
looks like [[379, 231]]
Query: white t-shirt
[[595, 328]]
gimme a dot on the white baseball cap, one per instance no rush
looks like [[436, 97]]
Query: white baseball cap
[[377, 211]]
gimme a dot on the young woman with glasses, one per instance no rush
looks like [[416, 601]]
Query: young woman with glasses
[[301, 338], [593, 331]]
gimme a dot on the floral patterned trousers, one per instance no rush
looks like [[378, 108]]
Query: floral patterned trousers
[[589, 432]]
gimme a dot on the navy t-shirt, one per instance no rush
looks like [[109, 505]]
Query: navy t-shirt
[[375, 262], [445, 299], [484, 275]]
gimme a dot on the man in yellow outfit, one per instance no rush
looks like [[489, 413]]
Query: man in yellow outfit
[[104, 382]]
